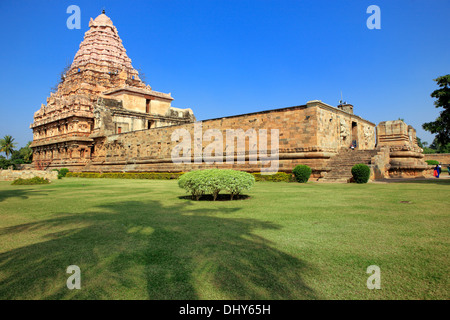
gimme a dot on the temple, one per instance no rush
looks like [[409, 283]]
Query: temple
[[100, 80], [103, 118]]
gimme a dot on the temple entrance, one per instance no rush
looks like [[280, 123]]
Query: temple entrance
[[355, 134]]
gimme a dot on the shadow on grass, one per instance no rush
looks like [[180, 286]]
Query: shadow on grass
[[145, 250], [220, 197], [17, 193]]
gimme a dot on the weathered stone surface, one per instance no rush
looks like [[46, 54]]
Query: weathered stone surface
[[306, 134], [11, 175], [406, 158]]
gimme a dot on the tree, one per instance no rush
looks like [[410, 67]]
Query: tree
[[142, 75], [424, 146], [420, 143], [441, 127], [27, 153], [7, 145], [440, 148]]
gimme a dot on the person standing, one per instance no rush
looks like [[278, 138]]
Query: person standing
[[437, 170]]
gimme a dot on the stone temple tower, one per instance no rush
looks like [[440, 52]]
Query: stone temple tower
[[62, 129]]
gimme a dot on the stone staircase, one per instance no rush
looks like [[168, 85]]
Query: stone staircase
[[341, 164]]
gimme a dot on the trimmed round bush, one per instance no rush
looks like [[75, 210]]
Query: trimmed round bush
[[63, 172], [302, 173], [432, 162], [361, 173], [235, 182], [213, 181], [192, 183]]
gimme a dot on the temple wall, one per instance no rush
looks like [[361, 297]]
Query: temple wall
[[150, 150], [443, 158], [138, 103], [159, 107], [334, 130], [132, 102], [304, 138], [129, 123]]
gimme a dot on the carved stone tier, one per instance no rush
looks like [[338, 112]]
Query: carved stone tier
[[406, 157]]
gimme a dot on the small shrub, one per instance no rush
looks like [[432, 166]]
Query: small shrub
[[35, 180], [238, 181], [302, 173], [63, 172], [212, 181], [215, 181], [192, 183], [432, 162], [361, 173]]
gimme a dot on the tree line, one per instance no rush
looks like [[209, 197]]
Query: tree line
[[14, 157], [441, 126]]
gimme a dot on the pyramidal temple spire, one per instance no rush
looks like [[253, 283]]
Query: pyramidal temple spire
[[100, 94], [102, 49]]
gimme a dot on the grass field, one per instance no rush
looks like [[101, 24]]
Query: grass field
[[140, 239]]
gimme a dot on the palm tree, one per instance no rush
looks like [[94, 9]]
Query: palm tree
[[28, 154], [7, 145]]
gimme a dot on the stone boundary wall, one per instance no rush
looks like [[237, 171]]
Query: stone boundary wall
[[443, 158], [11, 175]]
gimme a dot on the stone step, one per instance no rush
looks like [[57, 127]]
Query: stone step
[[341, 164]]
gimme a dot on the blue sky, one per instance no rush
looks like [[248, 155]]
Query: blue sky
[[229, 57]]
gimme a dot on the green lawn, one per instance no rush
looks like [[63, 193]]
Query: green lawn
[[139, 239]]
